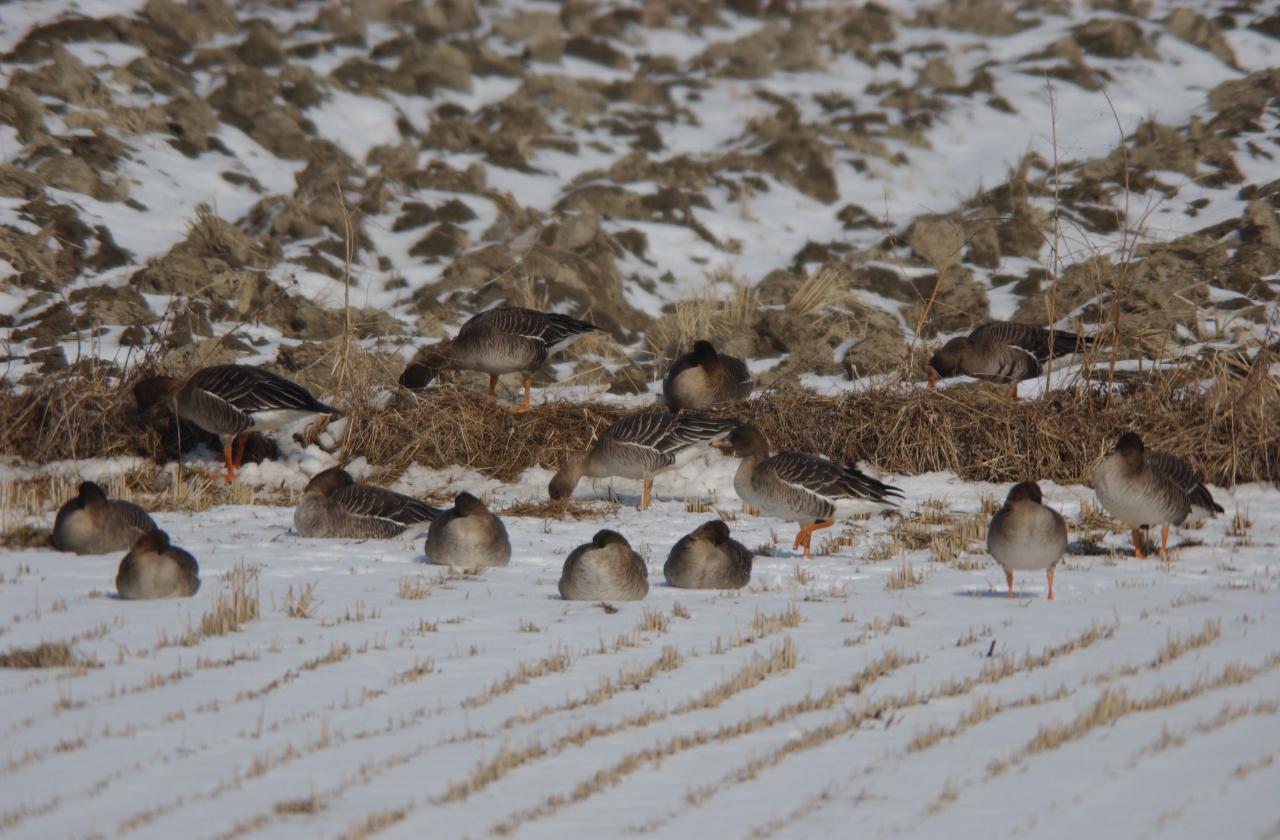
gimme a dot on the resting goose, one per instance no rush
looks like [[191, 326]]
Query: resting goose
[[505, 340], [230, 401], [155, 569], [708, 558], [1003, 352], [797, 486], [639, 446], [93, 524], [468, 535], [1142, 489], [704, 379], [1026, 536], [333, 505], [605, 569]]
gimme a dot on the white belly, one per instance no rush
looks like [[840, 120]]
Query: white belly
[[279, 418]]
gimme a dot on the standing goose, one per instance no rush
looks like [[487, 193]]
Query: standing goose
[[639, 446], [468, 535], [605, 569], [708, 558], [506, 340], [93, 524], [1142, 489], [1004, 352], [704, 379], [797, 486], [333, 505], [155, 569], [1026, 536], [230, 401]]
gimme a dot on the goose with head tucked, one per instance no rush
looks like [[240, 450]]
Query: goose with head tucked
[[93, 524], [639, 446], [708, 558], [1027, 536], [231, 401], [1003, 352], [468, 535], [154, 568], [1142, 488], [334, 505], [605, 569], [800, 487], [505, 340], [703, 378]]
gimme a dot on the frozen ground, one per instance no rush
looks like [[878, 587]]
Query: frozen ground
[[413, 700]]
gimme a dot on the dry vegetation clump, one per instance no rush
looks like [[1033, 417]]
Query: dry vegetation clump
[[1226, 429], [240, 604], [43, 655]]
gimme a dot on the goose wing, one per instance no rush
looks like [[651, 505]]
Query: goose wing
[[380, 503], [828, 479], [682, 430], [251, 389], [550, 329], [1029, 338], [1185, 477]]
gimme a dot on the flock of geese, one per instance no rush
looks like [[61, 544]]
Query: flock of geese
[[1140, 488]]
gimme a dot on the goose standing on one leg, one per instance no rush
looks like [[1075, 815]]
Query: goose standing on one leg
[[1003, 352], [93, 524], [1142, 489], [703, 379], [797, 486], [639, 446], [333, 505], [605, 569], [505, 340], [230, 401], [1025, 535]]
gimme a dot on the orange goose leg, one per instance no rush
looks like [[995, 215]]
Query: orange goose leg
[[230, 474], [1008, 578], [644, 496], [1137, 544], [805, 537], [1012, 391], [1164, 539], [1049, 574], [233, 454], [524, 406], [493, 383]]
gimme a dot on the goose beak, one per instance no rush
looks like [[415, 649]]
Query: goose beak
[[933, 379], [720, 444]]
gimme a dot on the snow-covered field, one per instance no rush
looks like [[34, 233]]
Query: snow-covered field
[[871, 686]]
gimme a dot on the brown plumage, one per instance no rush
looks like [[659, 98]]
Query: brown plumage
[[1142, 488], [468, 535], [154, 568], [708, 558], [797, 486], [93, 524], [639, 446], [504, 340], [704, 379], [230, 401], [1003, 352], [605, 569], [1025, 535], [334, 505]]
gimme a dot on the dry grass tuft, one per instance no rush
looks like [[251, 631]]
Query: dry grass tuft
[[43, 655], [903, 577], [711, 315], [239, 605], [303, 604]]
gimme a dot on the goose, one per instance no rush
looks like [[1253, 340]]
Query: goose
[[708, 558], [797, 486], [1142, 488], [703, 379], [230, 401], [333, 505], [467, 535], [639, 446], [1025, 535], [93, 524], [505, 340], [605, 569], [154, 568], [1004, 352]]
